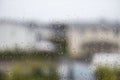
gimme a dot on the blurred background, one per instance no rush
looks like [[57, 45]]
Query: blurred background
[[59, 40]]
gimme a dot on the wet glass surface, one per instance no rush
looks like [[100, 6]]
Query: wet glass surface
[[59, 40]]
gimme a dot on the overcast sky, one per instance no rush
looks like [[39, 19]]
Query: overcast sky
[[48, 10]]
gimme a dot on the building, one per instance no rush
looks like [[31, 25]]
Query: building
[[25, 35], [89, 38]]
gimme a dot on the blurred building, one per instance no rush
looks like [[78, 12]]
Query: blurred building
[[89, 38], [76, 39], [25, 35]]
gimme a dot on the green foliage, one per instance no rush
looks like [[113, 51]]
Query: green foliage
[[105, 73], [32, 70], [117, 73], [108, 73], [20, 54], [3, 75]]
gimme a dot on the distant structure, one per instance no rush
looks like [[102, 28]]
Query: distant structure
[[88, 38], [25, 35], [74, 39]]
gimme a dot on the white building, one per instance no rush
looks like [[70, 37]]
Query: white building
[[106, 59], [14, 35]]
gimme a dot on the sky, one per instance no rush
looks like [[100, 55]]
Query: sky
[[59, 10]]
